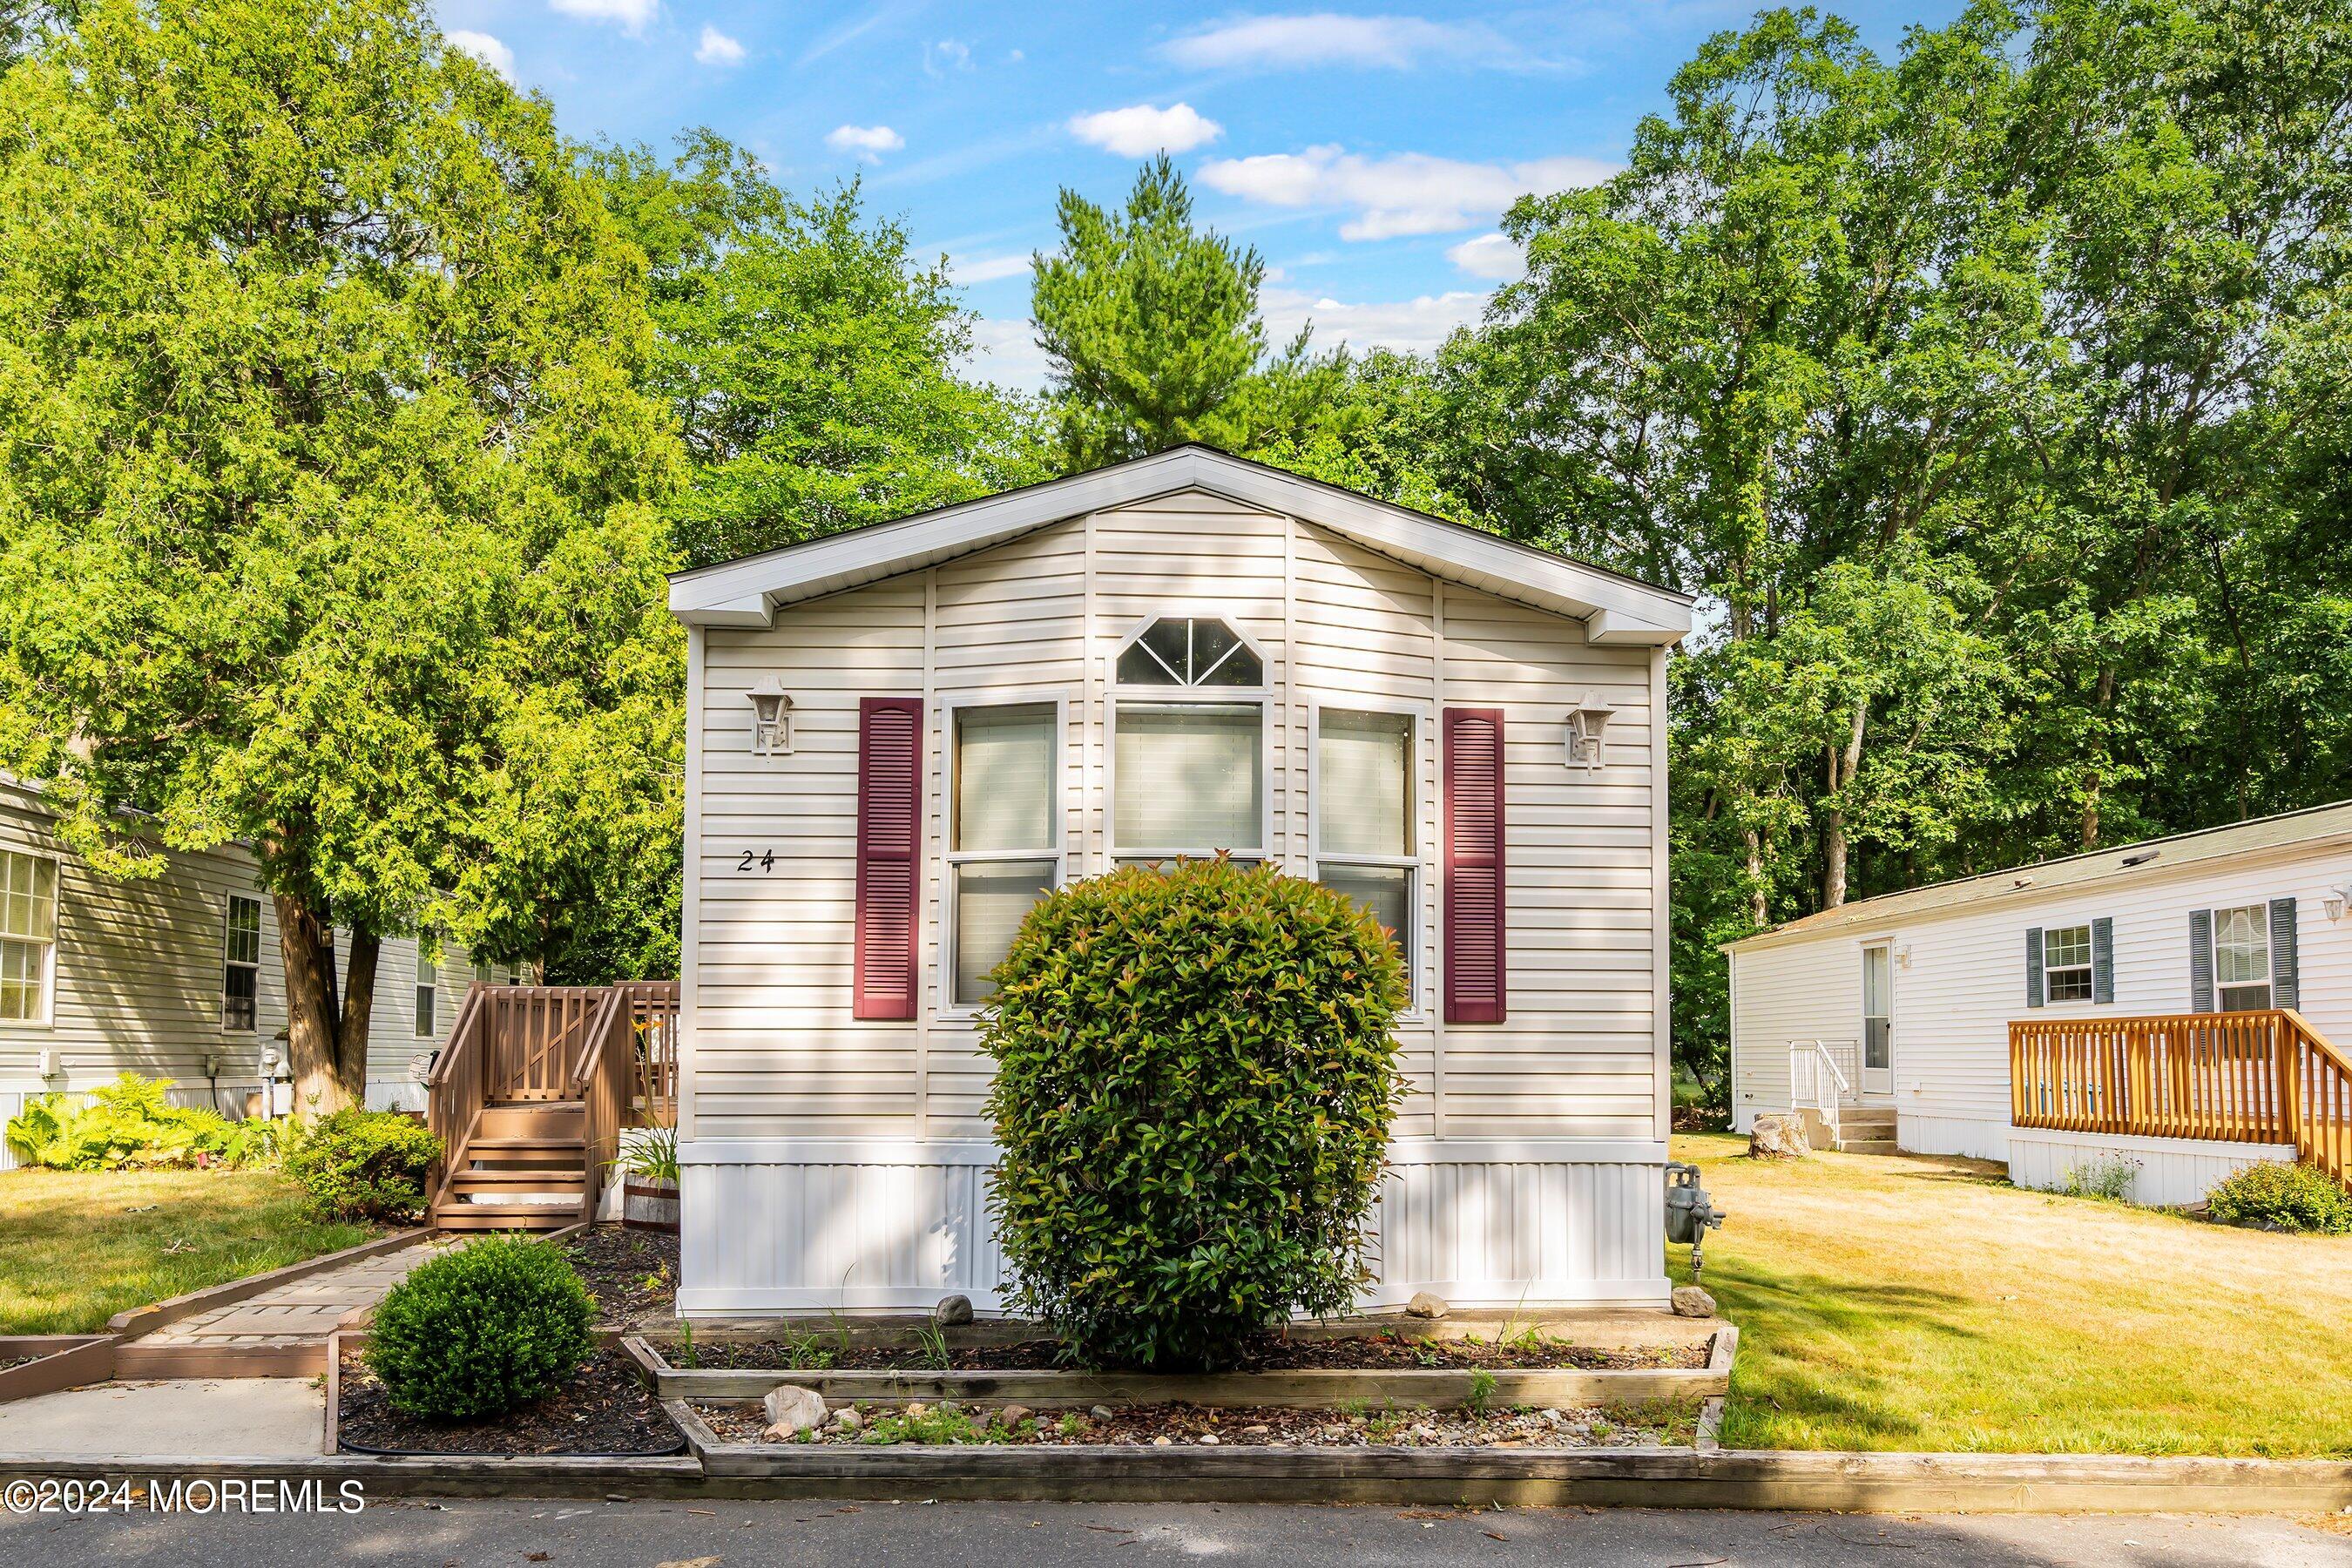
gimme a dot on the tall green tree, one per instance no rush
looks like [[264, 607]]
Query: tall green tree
[[1153, 331], [810, 358], [329, 515]]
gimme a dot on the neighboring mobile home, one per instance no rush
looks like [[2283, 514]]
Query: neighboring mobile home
[[2101, 957], [899, 737], [178, 976]]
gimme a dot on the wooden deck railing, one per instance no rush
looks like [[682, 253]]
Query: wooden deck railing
[[653, 1015], [2245, 1077]]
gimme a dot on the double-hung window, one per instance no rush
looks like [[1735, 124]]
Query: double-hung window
[[1364, 814], [428, 982], [1005, 834], [2066, 964], [1187, 745], [241, 965], [2241, 958], [28, 935]]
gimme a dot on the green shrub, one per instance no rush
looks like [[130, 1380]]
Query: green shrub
[[2111, 1176], [365, 1165], [131, 1122], [1195, 1074], [2274, 1196], [480, 1330]]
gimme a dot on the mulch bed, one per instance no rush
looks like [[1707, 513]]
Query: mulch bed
[[607, 1409], [1193, 1426], [633, 1274], [8, 1360], [1264, 1352]]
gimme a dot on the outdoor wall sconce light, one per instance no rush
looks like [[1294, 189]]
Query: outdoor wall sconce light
[[1586, 721], [771, 719], [2335, 900]]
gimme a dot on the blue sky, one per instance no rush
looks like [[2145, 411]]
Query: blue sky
[[1365, 153]]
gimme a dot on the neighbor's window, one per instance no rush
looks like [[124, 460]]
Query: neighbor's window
[[1004, 838], [1188, 763], [2241, 958], [1363, 814], [2066, 964], [241, 964], [428, 977], [28, 935]]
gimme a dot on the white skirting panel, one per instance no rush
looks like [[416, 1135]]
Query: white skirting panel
[[853, 1225], [2171, 1170], [1975, 1137]]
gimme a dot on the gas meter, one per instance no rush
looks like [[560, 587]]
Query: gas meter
[[1690, 1213]]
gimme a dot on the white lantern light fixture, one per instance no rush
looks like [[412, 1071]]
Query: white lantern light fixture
[[1586, 721], [2337, 899], [771, 719]]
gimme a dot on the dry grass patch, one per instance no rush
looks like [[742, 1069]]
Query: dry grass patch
[[78, 1248], [1923, 1303]]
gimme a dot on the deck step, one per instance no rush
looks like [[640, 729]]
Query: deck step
[[1867, 1146], [566, 1119], [505, 1217], [519, 1179]]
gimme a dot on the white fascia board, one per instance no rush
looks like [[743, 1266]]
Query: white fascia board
[[1616, 610]]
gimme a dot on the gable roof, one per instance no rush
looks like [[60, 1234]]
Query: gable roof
[[1616, 609], [2315, 826]]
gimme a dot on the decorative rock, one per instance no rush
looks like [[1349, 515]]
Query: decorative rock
[[1208, 1439], [1260, 1431], [1161, 1441], [947, 1407], [951, 1310], [916, 1410], [1102, 1413], [1777, 1137], [793, 1410], [1012, 1415], [1692, 1302], [848, 1420], [1424, 1305]]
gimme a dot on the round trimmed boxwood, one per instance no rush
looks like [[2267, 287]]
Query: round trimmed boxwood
[[1196, 1076], [2275, 1196], [482, 1330]]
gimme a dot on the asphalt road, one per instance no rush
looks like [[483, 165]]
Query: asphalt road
[[516, 1534]]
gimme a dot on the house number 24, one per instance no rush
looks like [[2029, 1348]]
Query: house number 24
[[753, 860]]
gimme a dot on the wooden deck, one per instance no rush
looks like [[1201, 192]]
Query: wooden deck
[[2240, 1077]]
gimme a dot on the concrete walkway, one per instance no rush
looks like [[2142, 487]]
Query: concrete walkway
[[182, 1418], [282, 1331]]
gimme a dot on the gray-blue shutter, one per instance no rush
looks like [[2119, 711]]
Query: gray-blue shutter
[[2282, 965], [2201, 961], [2033, 967], [2103, 960]]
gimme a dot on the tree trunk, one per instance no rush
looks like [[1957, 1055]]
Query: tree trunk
[[326, 1031], [1755, 905], [1843, 766]]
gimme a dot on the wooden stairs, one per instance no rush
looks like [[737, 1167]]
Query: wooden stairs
[[1867, 1130], [531, 1093]]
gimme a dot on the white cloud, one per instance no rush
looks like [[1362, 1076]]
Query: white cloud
[[632, 15], [485, 49], [1006, 353], [716, 48], [1323, 37], [1488, 256], [869, 141], [946, 55], [1412, 326], [1140, 129], [1411, 193], [986, 269]]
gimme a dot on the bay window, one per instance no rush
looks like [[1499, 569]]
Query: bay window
[[1364, 816], [1005, 834]]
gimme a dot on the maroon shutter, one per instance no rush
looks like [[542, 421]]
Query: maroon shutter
[[1474, 865], [889, 851]]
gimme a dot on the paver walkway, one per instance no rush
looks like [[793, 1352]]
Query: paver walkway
[[285, 1324]]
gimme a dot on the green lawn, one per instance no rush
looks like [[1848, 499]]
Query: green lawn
[[74, 1249], [1923, 1303]]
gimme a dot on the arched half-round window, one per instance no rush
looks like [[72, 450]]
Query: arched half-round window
[[1187, 650]]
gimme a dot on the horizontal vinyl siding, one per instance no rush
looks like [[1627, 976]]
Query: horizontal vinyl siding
[[775, 1052], [1963, 980]]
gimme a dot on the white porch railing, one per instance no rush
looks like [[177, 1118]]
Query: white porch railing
[[1820, 1078]]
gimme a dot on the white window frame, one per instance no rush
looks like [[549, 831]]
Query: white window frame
[[1116, 692], [2262, 909], [48, 1016], [1417, 863], [947, 1008], [2088, 968], [228, 907], [421, 991]]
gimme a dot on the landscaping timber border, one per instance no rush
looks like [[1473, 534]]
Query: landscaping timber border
[[60, 1360], [1633, 1477], [1311, 1389]]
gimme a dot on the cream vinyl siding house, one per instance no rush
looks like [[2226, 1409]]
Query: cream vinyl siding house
[[171, 976], [1182, 655], [2249, 915]]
